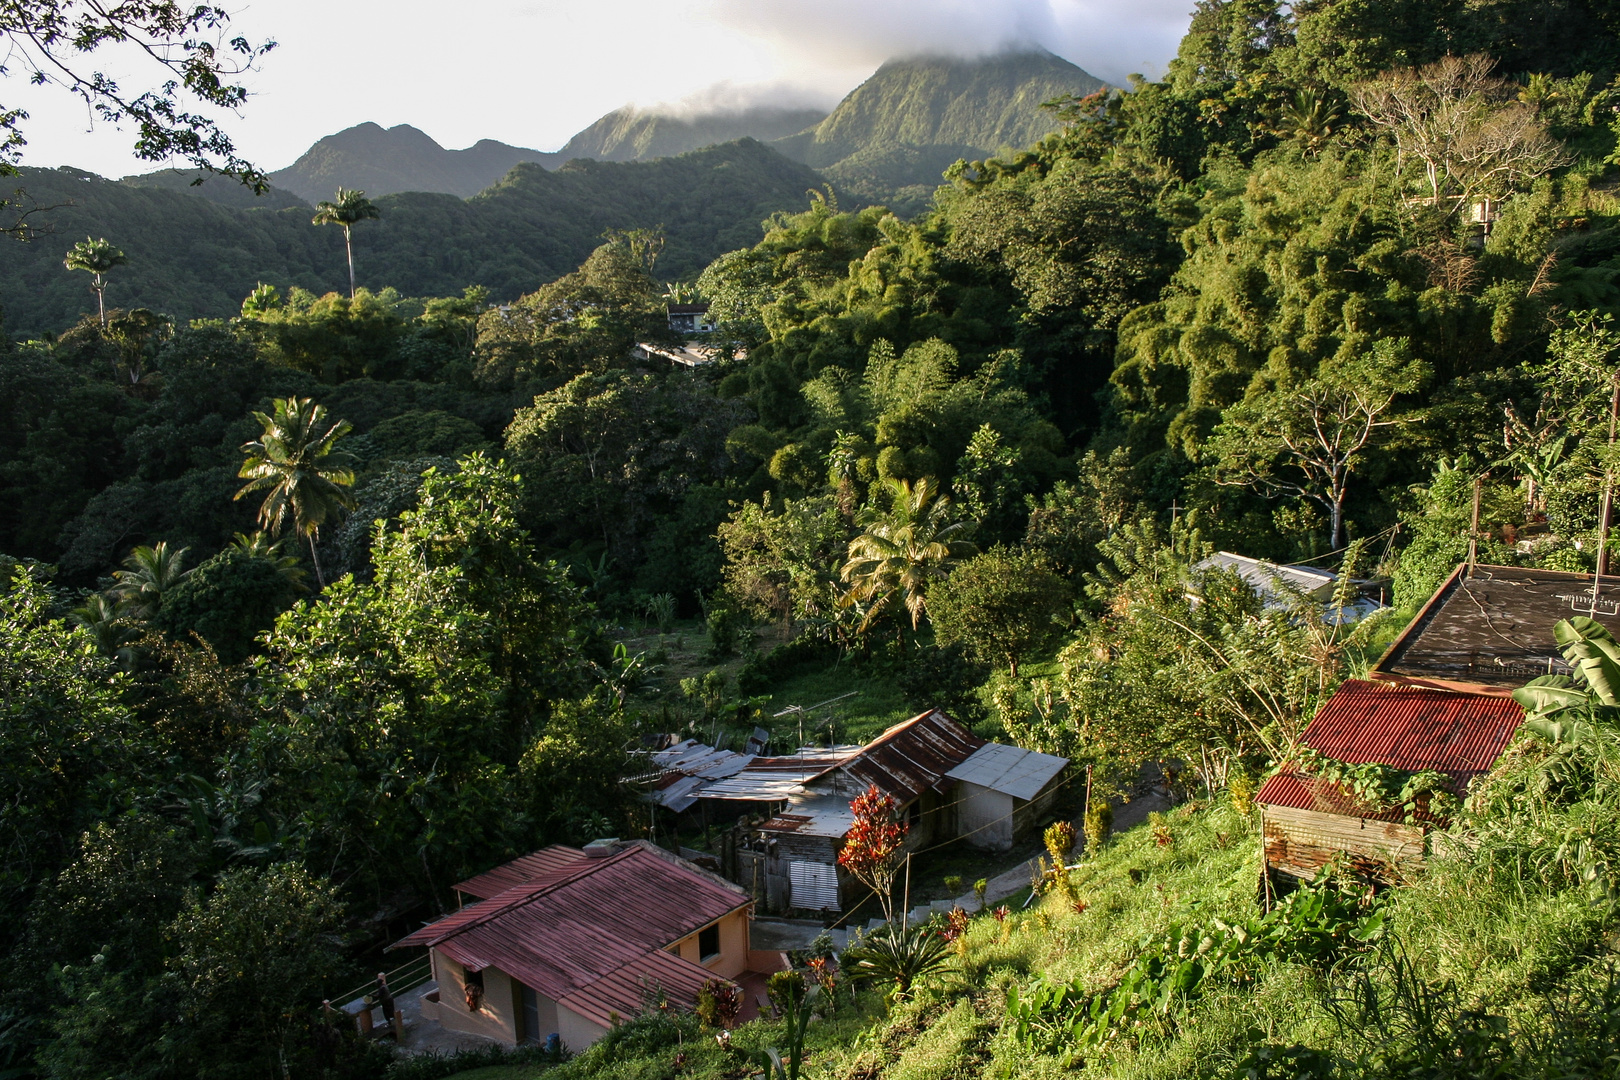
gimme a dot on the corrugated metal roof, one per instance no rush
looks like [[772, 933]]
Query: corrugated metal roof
[[529, 868], [913, 756], [1263, 576], [621, 992], [769, 779], [827, 815], [1011, 770], [1405, 727], [564, 935], [688, 767]]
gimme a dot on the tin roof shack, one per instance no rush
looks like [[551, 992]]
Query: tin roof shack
[[1490, 630], [1307, 821], [909, 761], [1270, 580], [566, 941], [690, 318], [1002, 792]]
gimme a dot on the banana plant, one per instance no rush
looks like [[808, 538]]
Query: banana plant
[[1564, 708]]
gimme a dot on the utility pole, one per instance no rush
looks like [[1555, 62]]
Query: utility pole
[[1473, 526], [1608, 501]]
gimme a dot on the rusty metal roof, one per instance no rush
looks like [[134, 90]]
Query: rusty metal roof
[[1405, 727], [621, 992], [1491, 630], [769, 779], [530, 868], [565, 933], [913, 756]]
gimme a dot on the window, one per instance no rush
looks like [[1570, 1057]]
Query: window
[[472, 988], [709, 943]]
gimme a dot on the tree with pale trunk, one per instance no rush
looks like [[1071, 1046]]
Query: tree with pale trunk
[[96, 258], [1306, 437], [1466, 128], [347, 209]]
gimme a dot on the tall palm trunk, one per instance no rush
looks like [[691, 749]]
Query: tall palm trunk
[[348, 248], [101, 298], [320, 578]]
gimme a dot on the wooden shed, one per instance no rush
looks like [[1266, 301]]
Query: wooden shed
[[1307, 821]]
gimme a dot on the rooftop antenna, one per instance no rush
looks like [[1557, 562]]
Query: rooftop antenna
[[1608, 500], [800, 711]]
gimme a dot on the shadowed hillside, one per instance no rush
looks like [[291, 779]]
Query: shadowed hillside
[[193, 257]]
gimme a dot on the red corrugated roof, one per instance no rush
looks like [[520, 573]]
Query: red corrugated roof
[[1404, 727], [563, 933], [523, 871], [913, 756], [622, 991]]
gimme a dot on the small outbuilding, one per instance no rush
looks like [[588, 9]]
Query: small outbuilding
[[1307, 821], [690, 318], [1272, 581], [1002, 792]]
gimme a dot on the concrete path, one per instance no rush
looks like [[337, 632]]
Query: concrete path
[[785, 935]]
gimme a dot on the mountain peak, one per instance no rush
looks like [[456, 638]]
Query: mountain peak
[[633, 134], [383, 161]]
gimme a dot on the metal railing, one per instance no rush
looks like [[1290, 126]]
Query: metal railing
[[402, 980]]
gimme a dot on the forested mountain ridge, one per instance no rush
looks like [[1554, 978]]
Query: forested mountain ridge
[[899, 129], [383, 161], [220, 189], [631, 134], [193, 257], [916, 115]]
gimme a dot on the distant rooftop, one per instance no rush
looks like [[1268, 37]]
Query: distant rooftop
[[1272, 580], [1490, 631]]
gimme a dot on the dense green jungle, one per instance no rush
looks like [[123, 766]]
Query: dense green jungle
[[319, 603]]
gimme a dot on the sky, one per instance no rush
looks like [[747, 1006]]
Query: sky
[[533, 72]]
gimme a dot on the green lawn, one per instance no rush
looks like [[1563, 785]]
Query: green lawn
[[878, 703]]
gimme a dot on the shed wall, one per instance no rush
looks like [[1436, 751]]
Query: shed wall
[[1299, 842], [985, 817], [575, 1031], [1028, 815]]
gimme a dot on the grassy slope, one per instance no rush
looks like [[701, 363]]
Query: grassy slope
[[1503, 950]]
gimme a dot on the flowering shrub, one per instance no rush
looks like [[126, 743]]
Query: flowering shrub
[[873, 843]]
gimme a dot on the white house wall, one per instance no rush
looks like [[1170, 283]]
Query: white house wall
[[985, 817]]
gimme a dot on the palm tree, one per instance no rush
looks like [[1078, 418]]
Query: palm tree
[[917, 541], [151, 572], [294, 461], [259, 546], [108, 623], [96, 258], [1311, 118], [348, 209]]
